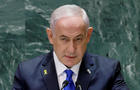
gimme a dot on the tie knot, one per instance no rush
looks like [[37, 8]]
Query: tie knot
[[69, 74]]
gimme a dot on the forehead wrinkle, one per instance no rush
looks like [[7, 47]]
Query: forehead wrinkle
[[72, 22], [71, 34]]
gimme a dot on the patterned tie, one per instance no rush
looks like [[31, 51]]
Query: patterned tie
[[70, 86]]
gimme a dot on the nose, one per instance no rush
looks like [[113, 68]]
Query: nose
[[71, 48]]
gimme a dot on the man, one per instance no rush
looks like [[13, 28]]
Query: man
[[68, 66]]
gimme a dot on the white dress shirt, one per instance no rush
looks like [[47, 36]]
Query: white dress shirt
[[60, 68]]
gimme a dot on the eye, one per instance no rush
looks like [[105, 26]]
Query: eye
[[64, 39], [78, 39]]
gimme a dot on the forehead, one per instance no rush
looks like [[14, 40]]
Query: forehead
[[71, 21], [70, 25]]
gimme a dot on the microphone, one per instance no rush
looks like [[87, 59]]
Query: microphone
[[64, 84], [78, 86]]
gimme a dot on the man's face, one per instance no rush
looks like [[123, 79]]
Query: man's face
[[70, 39]]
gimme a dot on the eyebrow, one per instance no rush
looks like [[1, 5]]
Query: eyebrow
[[80, 35], [62, 36]]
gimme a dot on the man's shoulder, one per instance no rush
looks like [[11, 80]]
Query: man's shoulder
[[101, 58], [102, 61], [32, 66], [34, 62]]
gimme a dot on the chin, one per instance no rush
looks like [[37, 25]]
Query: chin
[[69, 65]]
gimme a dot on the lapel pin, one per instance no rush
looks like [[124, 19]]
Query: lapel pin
[[45, 72], [88, 70]]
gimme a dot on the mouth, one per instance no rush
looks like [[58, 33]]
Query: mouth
[[70, 57]]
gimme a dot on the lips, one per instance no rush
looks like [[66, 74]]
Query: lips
[[71, 57]]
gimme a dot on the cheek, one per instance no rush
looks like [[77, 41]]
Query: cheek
[[59, 47], [81, 49], [84, 45]]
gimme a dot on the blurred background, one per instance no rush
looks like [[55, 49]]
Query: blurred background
[[116, 33]]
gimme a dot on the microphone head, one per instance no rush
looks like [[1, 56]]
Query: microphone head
[[65, 83]]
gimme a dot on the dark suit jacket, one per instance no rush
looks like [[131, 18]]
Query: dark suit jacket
[[96, 73]]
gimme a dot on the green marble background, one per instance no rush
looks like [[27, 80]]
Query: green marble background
[[116, 33]]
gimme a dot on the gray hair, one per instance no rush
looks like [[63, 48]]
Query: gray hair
[[68, 10]]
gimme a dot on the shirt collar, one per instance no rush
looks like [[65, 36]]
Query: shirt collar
[[60, 67]]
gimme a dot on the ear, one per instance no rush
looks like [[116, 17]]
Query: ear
[[90, 30], [50, 35]]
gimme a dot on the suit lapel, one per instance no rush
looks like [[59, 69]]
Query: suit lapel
[[86, 72], [49, 73]]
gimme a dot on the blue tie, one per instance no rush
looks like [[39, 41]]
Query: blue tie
[[70, 86]]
